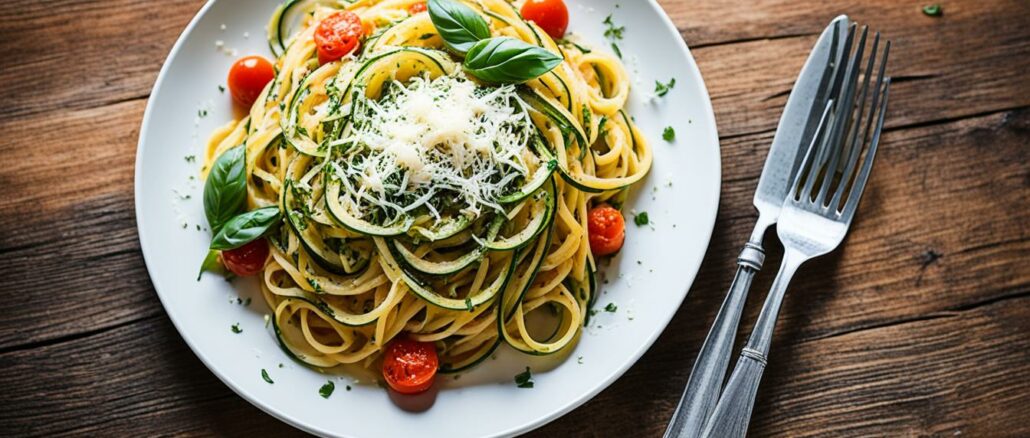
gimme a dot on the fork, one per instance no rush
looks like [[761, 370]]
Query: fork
[[813, 220]]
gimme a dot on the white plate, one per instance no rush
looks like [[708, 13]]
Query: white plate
[[647, 281]]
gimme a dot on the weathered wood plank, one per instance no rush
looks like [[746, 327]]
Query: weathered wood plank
[[135, 379], [958, 376], [70, 54], [970, 61]]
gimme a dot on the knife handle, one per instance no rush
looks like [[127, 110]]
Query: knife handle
[[705, 384]]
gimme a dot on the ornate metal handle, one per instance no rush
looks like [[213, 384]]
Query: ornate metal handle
[[733, 412], [703, 387]]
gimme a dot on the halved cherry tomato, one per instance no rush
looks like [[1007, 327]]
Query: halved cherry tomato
[[337, 35], [248, 259], [409, 366], [248, 77], [416, 8], [606, 229], [551, 15]]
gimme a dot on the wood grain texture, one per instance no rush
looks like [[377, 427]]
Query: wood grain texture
[[917, 327]]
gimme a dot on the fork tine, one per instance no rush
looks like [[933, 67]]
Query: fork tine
[[856, 142], [867, 165], [844, 120], [810, 155]]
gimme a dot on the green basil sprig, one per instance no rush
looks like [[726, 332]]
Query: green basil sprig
[[508, 60], [225, 191], [245, 228], [458, 25]]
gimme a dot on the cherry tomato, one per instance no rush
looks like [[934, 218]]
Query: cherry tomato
[[337, 35], [409, 366], [416, 8], [551, 15], [607, 230], [248, 77], [248, 259]]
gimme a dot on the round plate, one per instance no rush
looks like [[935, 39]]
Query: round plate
[[647, 281]]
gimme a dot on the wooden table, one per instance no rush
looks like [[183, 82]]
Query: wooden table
[[918, 326]]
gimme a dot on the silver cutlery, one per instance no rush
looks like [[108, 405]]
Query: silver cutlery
[[794, 132], [816, 215]]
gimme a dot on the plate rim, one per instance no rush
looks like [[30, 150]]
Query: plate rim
[[603, 384]]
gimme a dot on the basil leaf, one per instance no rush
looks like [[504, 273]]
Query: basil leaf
[[245, 228], [211, 264], [508, 60], [458, 25], [225, 191]]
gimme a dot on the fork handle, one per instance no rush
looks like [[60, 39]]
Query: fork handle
[[702, 391], [733, 412]]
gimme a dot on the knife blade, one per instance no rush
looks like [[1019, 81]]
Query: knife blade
[[795, 130], [799, 120]]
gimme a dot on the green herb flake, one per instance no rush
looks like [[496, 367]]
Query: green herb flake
[[326, 390], [264, 376], [611, 30], [236, 328], [661, 89], [668, 134], [468, 304], [524, 379], [934, 10], [615, 48], [611, 308], [348, 387], [190, 158], [579, 360], [641, 219], [202, 113], [221, 89], [246, 302]]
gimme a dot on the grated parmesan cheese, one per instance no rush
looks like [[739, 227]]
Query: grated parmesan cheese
[[434, 143]]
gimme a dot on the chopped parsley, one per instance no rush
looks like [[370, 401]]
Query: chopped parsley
[[668, 134], [236, 328], [524, 379], [246, 302], [221, 89], [613, 33], [190, 158], [468, 304], [264, 376], [202, 113], [611, 308], [579, 360], [641, 219], [348, 387], [933, 10], [615, 48], [661, 89], [326, 390]]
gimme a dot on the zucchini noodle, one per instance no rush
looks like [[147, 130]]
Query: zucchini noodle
[[355, 265]]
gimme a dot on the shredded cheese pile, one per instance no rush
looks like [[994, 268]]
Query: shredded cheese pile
[[433, 143]]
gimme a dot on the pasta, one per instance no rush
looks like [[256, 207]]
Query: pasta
[[419, 200]]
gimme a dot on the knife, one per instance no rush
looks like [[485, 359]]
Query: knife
[[796, 128]]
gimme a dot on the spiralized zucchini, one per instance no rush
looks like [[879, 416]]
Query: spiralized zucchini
[[342, 281]]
